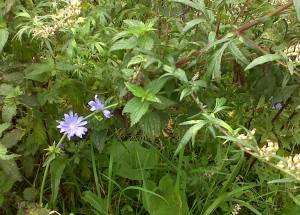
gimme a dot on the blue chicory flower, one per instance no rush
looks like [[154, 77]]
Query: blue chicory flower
[[98, 104], [62, 147], [277, 106], [73, 125]]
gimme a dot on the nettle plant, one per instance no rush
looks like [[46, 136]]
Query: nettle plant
[[227, 70]]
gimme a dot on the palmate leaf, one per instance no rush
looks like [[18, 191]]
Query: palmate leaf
[[136, 108]]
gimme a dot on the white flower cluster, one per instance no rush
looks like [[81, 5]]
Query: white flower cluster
[[63, 19], [279, 2], [236, 209], [293, 52], [290, 163], [270, 148], [247, 137]]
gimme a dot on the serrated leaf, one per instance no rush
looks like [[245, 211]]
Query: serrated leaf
[[156, 85], [6, 89], [11, 169], [136, 90], [150, 124], [124, 44], [214, 65], [136, 60], [163, 104], [189, 25], [297, 8], [8, 112], [149, 96], [56, 168], [14, 77], [145, 42], [237, 54], [136, 108], [11, 138], [3, 127], [263, 59], [3, 37]]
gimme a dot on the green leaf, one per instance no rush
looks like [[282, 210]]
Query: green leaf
[[8, 112], [6, 89], [94, 201], [39, 71], [16, 77], [30, 193], [145, 42], [214, 62], [190, 134], [150, 124], [124, 44], [156, 85], [237, 54], [189, 25], [149, 96], [56, 169], [3, 37], [3, 127], [11, 169], [297, 8], [263, 59], [136, 90], [39, 132], [11, 138], [163, 104], [136, 108], [136, 60]]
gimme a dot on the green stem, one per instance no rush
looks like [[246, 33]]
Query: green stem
[[97, 111], [110, 170], [95, 173], [46, 172], [43, 184]]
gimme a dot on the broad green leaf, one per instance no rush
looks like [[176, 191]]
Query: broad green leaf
[[263, 59], [145, 42], [11, 169], [125, 44], [39, 132], [94, 201], [16, 77], [3, 127], [149, 96], [163, 104], [190, 134], [136, 60], [156, 85], [6, 89], [150, 124], [8, 112], [30, 193], [189, 25], [39, 72], [136, 108], [56, 169], [11, 138], [136, 90], [237, 54], [214, 65], [3, 37], [297, 8]]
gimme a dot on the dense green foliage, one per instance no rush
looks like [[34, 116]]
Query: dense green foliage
[[205, 99]]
